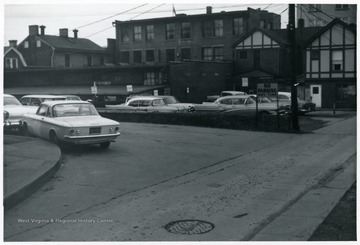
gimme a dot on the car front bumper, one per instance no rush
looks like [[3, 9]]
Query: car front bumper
[[91, 139], [12, 124]]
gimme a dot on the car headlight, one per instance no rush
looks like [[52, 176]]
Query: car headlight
[[78, 131], [6, 115], [117, 128], [111, 129]]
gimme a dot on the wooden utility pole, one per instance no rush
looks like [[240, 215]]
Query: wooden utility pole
[[292, 41]]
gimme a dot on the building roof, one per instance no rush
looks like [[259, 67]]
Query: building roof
[[69, 43], [196, 16], [281, 35], [8, 49]]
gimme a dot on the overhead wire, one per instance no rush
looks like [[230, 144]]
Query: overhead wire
[[112, 16]]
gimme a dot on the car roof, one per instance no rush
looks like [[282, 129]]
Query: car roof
[[8, 95], [244, 96], [229, 91], [144, 98], [285, 93], [49, 96], [56, 102]]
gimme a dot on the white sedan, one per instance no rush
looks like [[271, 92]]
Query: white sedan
[[75, 122]]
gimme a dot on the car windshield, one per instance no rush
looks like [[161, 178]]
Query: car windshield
[[73, 110], [170, 100], [11, 101]]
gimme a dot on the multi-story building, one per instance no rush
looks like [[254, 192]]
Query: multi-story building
[[322, 14], [263, 56], [206, 37], [330, 66], [41, 50]]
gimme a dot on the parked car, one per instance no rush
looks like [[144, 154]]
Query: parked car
[[212, 98], [238, 103], [14, 112], [303, 105], [36, 100], [170, 101], [145, 104], [75, 122], [72, 97]]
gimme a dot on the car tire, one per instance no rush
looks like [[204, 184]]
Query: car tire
[[105, 145], [53, 138], [25, 130]]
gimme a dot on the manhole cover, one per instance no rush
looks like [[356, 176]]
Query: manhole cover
[[189, 227]]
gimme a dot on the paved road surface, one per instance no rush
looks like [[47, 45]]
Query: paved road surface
[[155, 174]]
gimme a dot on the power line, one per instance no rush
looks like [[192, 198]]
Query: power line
[[99, 32], [111, 16], [147, 11]]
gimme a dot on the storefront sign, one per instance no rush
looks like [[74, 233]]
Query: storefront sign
[[267, 89]]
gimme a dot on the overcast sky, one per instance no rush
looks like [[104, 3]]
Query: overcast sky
[[94, 20]]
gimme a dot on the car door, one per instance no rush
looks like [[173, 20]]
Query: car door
[[37, 122]]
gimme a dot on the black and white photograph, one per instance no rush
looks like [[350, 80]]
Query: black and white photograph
[[224, 121]]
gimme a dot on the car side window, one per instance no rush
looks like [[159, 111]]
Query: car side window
[[226, 102], [35, 102], [250, 101], [283, 97], [43, 110], [25, 101], [238, 101], [158, 102], [134, 103]]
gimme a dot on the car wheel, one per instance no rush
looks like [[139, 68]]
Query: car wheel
[[25, 130], [53, 137], [105, 145]]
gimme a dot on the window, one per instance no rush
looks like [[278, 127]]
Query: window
[[11, 63], [238, 26], [67, 60], [149, 56], [207, 28], [150, 32], [207, 54], [38, 43], [314, 7], [219, 28], [269, 26], [137, 33], [341, 6], [337, 60], [170, 31], [125, 57], [170, 55], [26, 44], [89, 60], [185, 54], [102, 60], [315, 54], [262, 23], [152, 78], [218, 53], [185, 30], [315, 90], [137, 56], [243, 55], [125, 34]]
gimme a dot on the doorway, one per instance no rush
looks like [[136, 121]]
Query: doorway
[[315, 93]]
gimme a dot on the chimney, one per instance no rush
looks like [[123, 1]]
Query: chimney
[[208, 9], [13, 43], [75, 33], [33, 30], [42, 30], [64, 32], [301, 23]]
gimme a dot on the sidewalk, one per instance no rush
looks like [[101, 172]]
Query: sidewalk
[[28, 164]]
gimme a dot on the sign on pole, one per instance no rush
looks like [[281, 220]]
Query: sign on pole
[[129, 88], [245, 82], [156, 92], [267, 89], [94, 90]]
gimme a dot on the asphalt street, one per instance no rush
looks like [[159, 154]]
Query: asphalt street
[[156, 174]]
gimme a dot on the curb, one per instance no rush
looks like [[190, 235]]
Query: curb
[[35, 183]]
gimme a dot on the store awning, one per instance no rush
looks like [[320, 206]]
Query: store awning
[[81, 90]]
